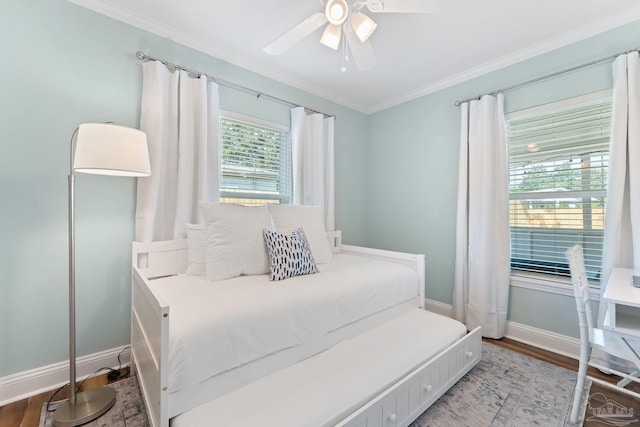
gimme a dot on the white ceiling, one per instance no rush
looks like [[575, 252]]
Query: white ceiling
[[417, 53]]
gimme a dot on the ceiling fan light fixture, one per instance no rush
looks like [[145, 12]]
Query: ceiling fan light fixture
[[363, 26], [337, 11], [331, 36]]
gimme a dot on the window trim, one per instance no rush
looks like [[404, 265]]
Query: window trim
[[539, 281], [548, 284], [253, 120], [559, 104], [233, 115]]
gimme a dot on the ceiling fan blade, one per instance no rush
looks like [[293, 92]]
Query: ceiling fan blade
[[362, 53], [414, 6], [297, 33]]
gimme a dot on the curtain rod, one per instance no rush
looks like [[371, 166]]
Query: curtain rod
[[144, 57], [548, 76]]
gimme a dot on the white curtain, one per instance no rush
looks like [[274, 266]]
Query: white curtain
[[179, 114], [622, 222], [481, 278], [313, 162]]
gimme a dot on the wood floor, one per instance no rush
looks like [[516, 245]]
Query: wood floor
[[26, 413]]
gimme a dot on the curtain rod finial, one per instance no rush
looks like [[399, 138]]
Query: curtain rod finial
[[141, 56]]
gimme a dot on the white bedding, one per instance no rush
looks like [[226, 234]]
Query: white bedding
[[217, 326], [324, 389]]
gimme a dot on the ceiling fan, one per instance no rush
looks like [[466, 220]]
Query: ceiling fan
[[347, 22]]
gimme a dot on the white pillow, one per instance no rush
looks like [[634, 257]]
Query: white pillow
[[196, 249], [287, 218], [235, 245]]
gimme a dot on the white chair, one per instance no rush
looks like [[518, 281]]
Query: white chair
[[621, 346]]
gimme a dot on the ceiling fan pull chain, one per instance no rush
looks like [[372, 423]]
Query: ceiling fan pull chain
[[345, 54]]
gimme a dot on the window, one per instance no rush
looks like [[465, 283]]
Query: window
[[255, 161], [558, 158]]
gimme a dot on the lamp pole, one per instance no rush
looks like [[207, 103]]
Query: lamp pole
[[89, 405]]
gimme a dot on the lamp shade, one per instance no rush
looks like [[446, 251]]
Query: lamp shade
[[107, 149], [331, 36], [363, 26], [337, 11]]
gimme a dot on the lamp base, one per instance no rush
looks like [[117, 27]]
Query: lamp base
[[89, 405]]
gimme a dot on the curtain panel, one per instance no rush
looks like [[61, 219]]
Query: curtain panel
[[622, 218], [482, 263], [179, 114], [312, 152]]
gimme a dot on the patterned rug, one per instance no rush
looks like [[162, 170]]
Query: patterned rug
[[506, 389], [128, 411]]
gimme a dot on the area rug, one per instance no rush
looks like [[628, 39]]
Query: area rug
[[506, 389], [128, 411]]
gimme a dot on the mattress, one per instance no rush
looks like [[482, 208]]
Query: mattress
[[326, 388], [221, 325]]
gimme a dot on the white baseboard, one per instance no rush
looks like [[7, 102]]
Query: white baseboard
[[25, 384], [547, 340], [438, 307], [557, 343]]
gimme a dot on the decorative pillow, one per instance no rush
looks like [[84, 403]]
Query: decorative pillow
[[196, 249], [287, 218], [289, 255], [235, 245]]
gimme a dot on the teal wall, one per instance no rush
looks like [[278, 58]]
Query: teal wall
[[412, 158], [63, 65]]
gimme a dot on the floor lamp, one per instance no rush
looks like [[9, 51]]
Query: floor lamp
[[103, 149]]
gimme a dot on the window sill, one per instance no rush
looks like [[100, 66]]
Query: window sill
[[548, 284]]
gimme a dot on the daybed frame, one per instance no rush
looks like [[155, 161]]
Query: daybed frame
[[150, 320]]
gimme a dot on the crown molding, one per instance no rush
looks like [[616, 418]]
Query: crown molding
[[106, 8], [619, 19]]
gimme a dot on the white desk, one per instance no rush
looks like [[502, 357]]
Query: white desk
[[623, 302]]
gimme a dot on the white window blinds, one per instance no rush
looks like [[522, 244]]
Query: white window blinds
[[558, 158], [255, 162]]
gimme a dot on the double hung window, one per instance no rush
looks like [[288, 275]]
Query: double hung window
[[255, 161], [558, 158]]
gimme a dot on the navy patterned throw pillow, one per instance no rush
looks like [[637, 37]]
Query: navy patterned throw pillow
[[289, 255]]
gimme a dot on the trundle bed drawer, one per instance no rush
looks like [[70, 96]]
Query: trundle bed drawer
[[354, 384], [411, 396]]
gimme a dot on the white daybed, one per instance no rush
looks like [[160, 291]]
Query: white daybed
[[326, 354]]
